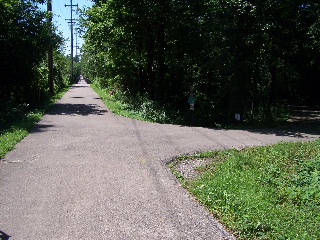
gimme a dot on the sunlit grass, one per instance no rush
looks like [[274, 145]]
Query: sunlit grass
[[115, 105], [263, 192], [139, 107]]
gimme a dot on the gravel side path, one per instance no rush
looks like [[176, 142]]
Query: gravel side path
[[85, 173]]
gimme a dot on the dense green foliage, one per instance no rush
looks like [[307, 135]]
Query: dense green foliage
[[26, 35], [268, 192], [137, 107], [241, 56]]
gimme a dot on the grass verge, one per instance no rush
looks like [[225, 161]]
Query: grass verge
[[116, 106], [21, 124], [268, 192], [139, 107]]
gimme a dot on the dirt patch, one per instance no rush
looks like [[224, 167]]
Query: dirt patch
[[188, 167]]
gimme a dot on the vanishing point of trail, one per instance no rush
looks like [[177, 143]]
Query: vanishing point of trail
[[85, 173]]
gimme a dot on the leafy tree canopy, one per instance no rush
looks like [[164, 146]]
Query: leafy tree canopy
[[241, 56], [25, 38]]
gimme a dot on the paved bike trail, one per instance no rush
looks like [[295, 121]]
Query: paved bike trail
[[85, 173]]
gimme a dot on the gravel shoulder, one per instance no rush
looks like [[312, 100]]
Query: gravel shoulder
[[85, 173]]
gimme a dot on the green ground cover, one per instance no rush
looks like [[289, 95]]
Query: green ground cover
[[139, 107], [270, 192], [17, 121]]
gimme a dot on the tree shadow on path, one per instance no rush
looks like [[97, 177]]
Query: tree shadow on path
[[4, 236], [41, 127], [298, 130], [76, 109], [303, 122]]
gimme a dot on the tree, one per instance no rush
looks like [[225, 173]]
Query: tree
[[25, 37], [242, 56]]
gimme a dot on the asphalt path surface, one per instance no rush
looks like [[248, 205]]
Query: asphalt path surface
[[85, 173]]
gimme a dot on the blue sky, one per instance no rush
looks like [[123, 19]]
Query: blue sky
[[61, 13]]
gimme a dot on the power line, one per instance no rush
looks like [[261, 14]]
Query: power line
[[71, 21]]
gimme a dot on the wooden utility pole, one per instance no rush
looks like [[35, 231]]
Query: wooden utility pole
[[71, 22], [50, 52], [77, 47]]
